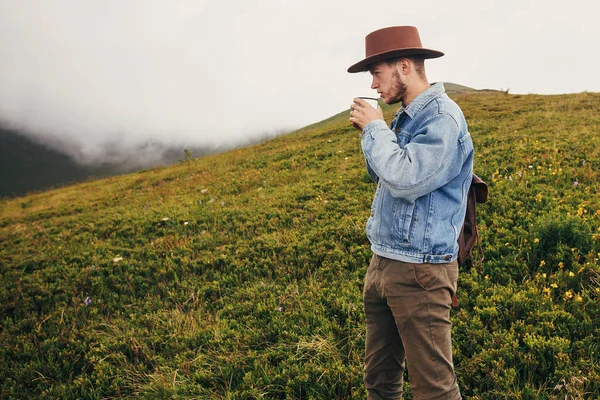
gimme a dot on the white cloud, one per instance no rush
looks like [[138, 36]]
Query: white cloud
[[209, 72]]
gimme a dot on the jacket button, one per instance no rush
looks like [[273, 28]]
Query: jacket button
[[372, 214], [448, 257]]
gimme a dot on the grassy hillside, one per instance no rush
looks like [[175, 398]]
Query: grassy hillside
[[239, 276]]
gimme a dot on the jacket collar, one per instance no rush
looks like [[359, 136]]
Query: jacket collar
[[424, 98]]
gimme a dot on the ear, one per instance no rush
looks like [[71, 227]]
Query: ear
[[404, 66]]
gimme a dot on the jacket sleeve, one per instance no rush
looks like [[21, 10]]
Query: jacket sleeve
[[422, 165]]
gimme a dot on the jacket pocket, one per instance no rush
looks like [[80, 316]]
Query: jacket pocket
[[407, 222]]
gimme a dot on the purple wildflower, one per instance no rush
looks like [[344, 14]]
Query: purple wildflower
[[88, 301]]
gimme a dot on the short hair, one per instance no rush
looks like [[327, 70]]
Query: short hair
[[417, 60]]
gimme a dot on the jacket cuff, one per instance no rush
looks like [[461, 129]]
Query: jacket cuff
[[374, 126]]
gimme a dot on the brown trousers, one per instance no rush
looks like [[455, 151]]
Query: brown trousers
[[407, 310]]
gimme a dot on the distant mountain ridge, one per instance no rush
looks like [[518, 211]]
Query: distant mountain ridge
[[456, 88], [28, 165]]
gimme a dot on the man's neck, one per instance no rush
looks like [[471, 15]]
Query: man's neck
[[415, 90]]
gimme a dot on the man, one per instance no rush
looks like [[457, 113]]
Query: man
[[422, 165]]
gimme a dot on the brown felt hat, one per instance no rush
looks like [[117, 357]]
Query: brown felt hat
[[392, 42]]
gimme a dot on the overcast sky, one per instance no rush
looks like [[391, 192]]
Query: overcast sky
[[201, 72]]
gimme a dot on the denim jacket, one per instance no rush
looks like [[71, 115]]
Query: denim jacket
[[423, 166]]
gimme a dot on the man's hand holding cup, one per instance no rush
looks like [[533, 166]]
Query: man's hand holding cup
[[363, 111]]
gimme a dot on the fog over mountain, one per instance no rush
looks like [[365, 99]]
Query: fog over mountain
[[110, 80]]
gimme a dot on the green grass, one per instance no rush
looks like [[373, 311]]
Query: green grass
[[239, 275]]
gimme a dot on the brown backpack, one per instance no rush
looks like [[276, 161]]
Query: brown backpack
[[469, 235]]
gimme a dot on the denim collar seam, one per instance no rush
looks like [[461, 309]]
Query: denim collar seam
[[424, 98]]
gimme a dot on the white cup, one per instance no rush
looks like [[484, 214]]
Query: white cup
[[373, 102]]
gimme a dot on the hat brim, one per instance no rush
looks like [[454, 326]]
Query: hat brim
[[364, 65]]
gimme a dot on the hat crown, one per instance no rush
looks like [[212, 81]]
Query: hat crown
[[392, 38]]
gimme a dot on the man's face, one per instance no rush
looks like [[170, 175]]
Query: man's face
[[388, 82]]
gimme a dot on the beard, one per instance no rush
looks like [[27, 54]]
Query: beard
[[398, 89]]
